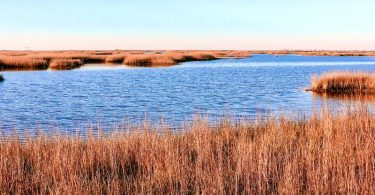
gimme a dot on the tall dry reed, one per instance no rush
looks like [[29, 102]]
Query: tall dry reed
[[167, 58], [149, 60], [334, 82], [115, 59], [10, 62], [42, 59], [65, 64], [324, 153]]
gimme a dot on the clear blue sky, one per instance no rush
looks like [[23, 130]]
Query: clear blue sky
[[193, 24]]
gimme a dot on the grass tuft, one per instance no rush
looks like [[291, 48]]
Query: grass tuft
[[344, 82], [115, 59], [65, 64], [149, 60], [167, 59], [11, 62]]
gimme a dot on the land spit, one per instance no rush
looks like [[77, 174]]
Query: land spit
[[65, 60], [344, 82]]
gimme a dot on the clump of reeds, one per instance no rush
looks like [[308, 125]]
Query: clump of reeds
[[115, 59], [65, 64], [149, 60], [11, 62], [324, 153], [343, 82], [238, 54], [38, 60], [93, 58], [201, 56], [170, 58]]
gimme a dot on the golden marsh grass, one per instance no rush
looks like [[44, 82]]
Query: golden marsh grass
[[11, 62], [65, 64], [41, 59], [56, 59], [166, 59], [324, 153], [115, 59], [149, 60], [343, 82]]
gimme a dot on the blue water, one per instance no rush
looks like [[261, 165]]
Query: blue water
[[96, 94]]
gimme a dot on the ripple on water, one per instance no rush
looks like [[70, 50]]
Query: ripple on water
[[110, 94]]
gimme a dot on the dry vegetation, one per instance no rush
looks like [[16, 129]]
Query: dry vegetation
[[10, 62], [344, 82], [42, 59], [315, 52], [336, 53], [115, 58], [61, 60], [325, 153], [149, 60], [65, 64], [170, 58]]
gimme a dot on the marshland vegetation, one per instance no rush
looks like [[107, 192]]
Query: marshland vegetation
[[65, 64], [316, 52], [325, 153], [72, 59], [344, 82], [60, 60]]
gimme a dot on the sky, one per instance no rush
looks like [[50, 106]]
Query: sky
[[187, 24]]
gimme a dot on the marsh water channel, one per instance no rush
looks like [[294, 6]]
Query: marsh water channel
[[108, 96]]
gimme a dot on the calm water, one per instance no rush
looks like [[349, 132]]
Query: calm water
[[111, 95]]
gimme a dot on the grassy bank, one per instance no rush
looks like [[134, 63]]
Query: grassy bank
[[316, 52], [167, 58], [344, 82], [65, 64], [29, 60], [62, 60], [320, 154]]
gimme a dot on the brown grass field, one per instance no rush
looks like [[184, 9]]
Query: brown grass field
[[29, 60], [316, 52], [62, 60], [65, 64], [325, 153], [344, 82]]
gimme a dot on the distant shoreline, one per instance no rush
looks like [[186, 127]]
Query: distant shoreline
[[71, 59]]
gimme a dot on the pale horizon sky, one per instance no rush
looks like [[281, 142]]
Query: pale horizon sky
[[177, 24]]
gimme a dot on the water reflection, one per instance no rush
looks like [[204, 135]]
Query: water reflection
[[103, 67], [347, 97]]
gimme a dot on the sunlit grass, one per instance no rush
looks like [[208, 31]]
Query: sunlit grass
[[324, 153], [115, 58], [65, 64], [337, 82], [9, 62], [42, 59], [167, 58]]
